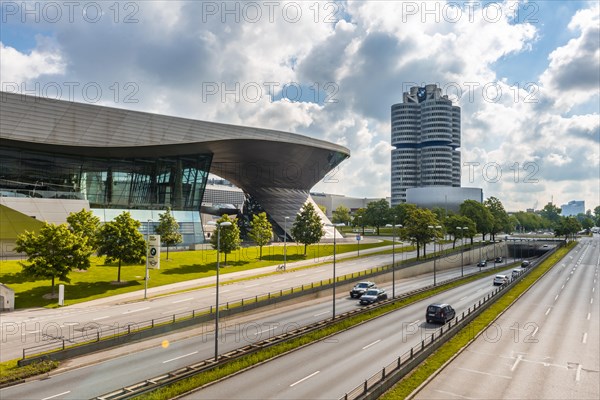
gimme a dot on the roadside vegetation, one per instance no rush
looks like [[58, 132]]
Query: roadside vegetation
[[10, 372]]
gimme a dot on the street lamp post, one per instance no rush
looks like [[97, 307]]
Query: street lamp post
[[219, 226], [147, 249], [462, 252], [285, 242], [434, 256], [334, 244], [394, 256]]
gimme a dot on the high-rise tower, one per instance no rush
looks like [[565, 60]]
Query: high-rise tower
[[425, 136]]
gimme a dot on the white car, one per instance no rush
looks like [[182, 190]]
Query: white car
[[501, 280]]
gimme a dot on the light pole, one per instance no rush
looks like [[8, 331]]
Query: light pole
[[285, 242], [219, 226], [434, 256], [394, 256], [334, 243], [462, 251], [147, 250]]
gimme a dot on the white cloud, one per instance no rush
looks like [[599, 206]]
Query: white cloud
[[18, 67]]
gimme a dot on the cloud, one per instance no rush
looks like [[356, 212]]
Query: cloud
[[17, 67]]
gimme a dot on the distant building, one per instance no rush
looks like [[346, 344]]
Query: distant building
[[573, 207], [425, 137], [447, 198]]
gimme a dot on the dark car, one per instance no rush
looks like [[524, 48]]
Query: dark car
[[360, 288], [525, 264], [498, 260], [373, 296], [439, 312], [482, 263]]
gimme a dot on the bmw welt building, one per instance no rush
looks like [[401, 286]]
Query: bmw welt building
[[54, 153]]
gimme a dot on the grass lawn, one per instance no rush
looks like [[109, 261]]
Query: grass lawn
[[98, 280]]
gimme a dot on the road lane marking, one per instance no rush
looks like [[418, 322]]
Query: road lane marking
[[301, 275], [321, 313], [548, 310], [181, 301], [56, 395], [578, 374], [136, 310], [99, 318], [589, 316], [305, 378], [254, 284], [455, 394], [371, 344], [555, 297], [413, 323], [537, 328], [177, 358], [584, 338], [462, 298], [562, 287], [591, 300], [517, 361], [484, 373], [278, 280]]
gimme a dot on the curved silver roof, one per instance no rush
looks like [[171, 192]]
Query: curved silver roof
[[262, 162]]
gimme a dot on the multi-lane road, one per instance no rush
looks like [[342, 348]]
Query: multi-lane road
[[546, 346], [97, 379]]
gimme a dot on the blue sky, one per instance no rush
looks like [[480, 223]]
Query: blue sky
[[352, 61]]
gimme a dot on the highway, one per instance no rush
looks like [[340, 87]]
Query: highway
[[95, 380], [28, 328], [546, 346], [334, 366]]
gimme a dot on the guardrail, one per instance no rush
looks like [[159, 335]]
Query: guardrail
[[383, 380]]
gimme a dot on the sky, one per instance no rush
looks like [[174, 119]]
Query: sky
[[525, 74]]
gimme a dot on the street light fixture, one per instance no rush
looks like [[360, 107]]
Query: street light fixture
[[434, 256], [219, 226], [462, 252], [394, 255], [285, 242], [334, 244]]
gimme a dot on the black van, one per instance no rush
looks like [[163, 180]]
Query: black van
[[439, 312]]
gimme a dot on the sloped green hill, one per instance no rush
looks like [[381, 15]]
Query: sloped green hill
[[13, 223]]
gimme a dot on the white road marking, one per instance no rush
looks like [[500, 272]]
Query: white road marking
[[484, 373], [593, 289], [33, 333], [416, 322], [266, 330], [562, 287], [181, 301], [70, 323], [301, 275], [589, 316], [578, 374], [537, 328], [371, 344], [99, 318], [321, 313], [555, 297], [255, 284], [462, 298], [305, 378], [517, 361], [56, 395], [454, 394], [548, 310], [278, 280], [591, 300], [177, 358], [584, 338], [136, 310]]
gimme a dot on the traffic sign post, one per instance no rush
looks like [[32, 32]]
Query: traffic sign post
[[358, 238], [152, 259]]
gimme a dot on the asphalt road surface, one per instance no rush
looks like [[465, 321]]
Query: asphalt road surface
[[546, 346]]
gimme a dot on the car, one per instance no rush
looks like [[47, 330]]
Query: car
[[498, 260], [373, 295], [439, 312], [525, 264], [482, 263], [500, 280], [360, 288], [545, 246], [516, 272]]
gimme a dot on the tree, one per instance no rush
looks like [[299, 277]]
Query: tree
[[401, 211], [597, 215], [359, 220], [341, 215], [453, 222], [586, 221], [500, 221], [478, 213], [416, 228], [87, 225], [168, 229], [307, 228], [567, 226], [261, 231], [229, 237], [53, 252], [551, 214], [377, 213], [120, 240]]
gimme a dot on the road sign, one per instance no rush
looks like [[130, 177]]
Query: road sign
[[154, 252], [358, 237]]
